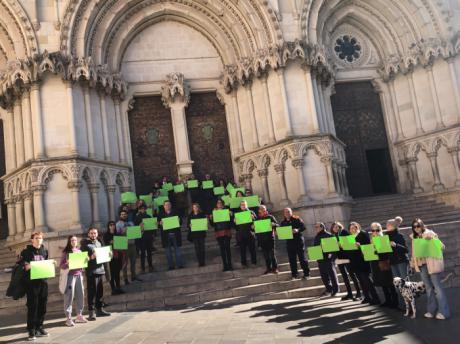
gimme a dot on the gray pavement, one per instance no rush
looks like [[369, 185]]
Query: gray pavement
[[318, 320]]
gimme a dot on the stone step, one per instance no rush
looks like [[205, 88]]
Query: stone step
[[400, 209]]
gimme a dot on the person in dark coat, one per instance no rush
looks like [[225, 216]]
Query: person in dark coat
[[399, 259], [381, 272], [326, 265], [344, 268], [208, 198], [245, 233], [117, 259], [223, 232], [360, 267], [267, 241], [37, 289], [146, 241], [171, 239], [198, 237], [295, 246]]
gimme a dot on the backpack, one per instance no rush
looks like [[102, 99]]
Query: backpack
[[17, 287]]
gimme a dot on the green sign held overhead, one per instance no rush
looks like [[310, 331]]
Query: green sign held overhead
[[199, 224], [284, 233], [179, 188], [369, 252], [128, 197], [78, 260], [330, 245], [229, 188], [133, 232], [219, 190], [253, 201], [171, 222], [243, 217], [382, 244], [159, 201], [150, 224], [315, 253], [167, 186], [207, 184], [42, 269], [120, 242], [148, 200], [221, 215], [348, 243], [192, 184], [263, 226]]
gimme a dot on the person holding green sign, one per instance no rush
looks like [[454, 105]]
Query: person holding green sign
[[430, 270], [171, 239], [344, 268], [131, 254], [360, 267], [326, 266], [198, 237], [399, 259], [296, 246], [36, 289], [266, 240], [74, 286], [117, 259], [146, 241], [207, 194], [223, 232], [246, 236]]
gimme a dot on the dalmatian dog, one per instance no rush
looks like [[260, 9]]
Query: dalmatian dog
[[409, 291]]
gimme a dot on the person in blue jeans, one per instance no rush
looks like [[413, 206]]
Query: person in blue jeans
[[171, 239], [399, 259], [430, 270]]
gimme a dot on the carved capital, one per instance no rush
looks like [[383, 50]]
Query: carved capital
[[175, 89], [263, 173], [298, 163], [432, 155], [280, 168], [93, 188], [327, 160], [453, 150], [246, 177], [39, 188], [111, 188], [74, 185]]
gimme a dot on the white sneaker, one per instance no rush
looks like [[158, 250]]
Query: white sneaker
[[80, 320], [439, 316], [69, 323], [428, 315]]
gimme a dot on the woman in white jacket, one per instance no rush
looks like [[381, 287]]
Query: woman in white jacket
[[430, 270]]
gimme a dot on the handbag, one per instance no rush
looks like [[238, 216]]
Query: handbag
[[63, 274]]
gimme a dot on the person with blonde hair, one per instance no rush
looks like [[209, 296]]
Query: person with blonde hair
[[399, 259]]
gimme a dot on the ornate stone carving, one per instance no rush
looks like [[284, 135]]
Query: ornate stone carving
[[175, 89]]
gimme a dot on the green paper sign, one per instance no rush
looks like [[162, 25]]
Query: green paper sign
[[219, 190], [120, 242], [163, 193], [207, 184], [42, 269], [420, 247], [78, 260], [147, 199], [192, 184], [235, 202], [243, 217], [369, 252], [167, 186], [179, 188], [221, 215], [424, 248], [315, 253], [284, 233], [199, 225], [229, 187], [263, 226], [128, 197], [233, 192], [348, 243], [435, 248], [382, 244], [253, 201], [170, 223], [103, 254], [149, 211], [133, 232], [150, 224], [226, 199], [330, 245], [159, 201]]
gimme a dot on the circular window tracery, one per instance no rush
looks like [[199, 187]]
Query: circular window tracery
[[347, 48]]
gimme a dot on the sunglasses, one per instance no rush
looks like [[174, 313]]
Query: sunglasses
[[375, 230], [417, 225]]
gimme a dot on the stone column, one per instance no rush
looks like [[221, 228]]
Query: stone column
[[263, 174], [280, 169], [434, 96], [337, 179], [438, 186], [18, 132], [20, 224], [454, 78], [70, 109], [89, 121], [247, 178], [11, 147], [237, 121], [121, 146], [11, 205], [327, 161], [176, 96], [414, 175], [455, 160], [312, 96], [94, 191], [252, 115], [343, 175], [28, 214], [329, 92], [298, 165], [39, 208], [322, 117], [27, 119], [268, 109], [111, 201], [105, 128], [394, 101], [418, 121], [74, 187], [37, 122], [284, 100]]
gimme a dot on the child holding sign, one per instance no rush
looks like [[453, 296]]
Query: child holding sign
[[37, 289], [430, 269], [74, 285]]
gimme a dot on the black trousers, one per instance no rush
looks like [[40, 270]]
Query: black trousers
[[225, 251], [200, 250], [346, 272], [37, 298], [95, 291], [268, 249], [146, 250], [369, 292], [329, 276], [391, 296], [115, 269], [248, 242], [296, 250]]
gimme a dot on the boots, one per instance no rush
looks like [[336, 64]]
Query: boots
[[102, 313], [92, 315]]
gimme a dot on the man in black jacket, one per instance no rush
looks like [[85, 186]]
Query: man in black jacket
[[267, 241], [172, 238], [246, 236], [37, 289], [146, 241], [326, 265], [296, 245], [94, 276]]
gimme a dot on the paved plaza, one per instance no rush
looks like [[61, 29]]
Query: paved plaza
[[319, 320]]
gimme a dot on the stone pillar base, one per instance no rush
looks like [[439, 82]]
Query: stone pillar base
[[417, 190], [438, 187], [303, 200], [184, 168]]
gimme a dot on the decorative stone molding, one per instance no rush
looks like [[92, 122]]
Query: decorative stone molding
[[175, 89]]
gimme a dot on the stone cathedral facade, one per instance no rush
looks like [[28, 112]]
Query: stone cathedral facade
[[310, 103]]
